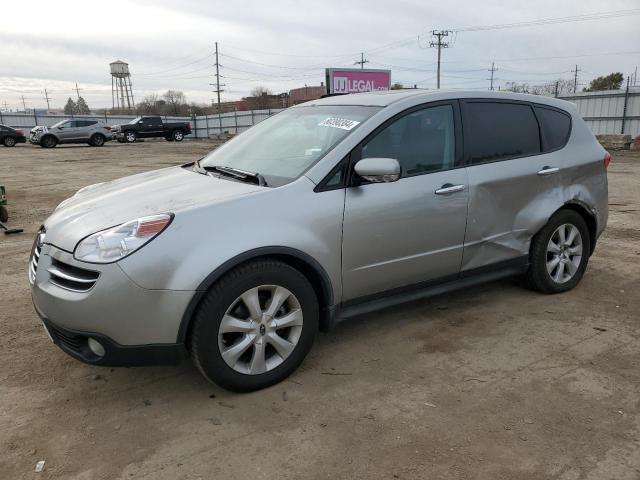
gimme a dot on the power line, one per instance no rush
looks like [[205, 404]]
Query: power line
[[553, 21]]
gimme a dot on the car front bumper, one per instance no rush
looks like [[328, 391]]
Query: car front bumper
[[78, 301]]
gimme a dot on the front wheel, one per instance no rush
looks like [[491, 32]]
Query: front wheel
[[255, 326], [4, 214], [48, 142], [559, 253], [9, 142], [130, 136], [177, 135]]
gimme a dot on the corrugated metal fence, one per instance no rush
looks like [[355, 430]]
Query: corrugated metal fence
[[611, 111], [202, 126]]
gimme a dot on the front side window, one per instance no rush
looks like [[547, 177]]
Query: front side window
[[283, 146], [555, 126], [63, 124], [422, 141], [497, 131]]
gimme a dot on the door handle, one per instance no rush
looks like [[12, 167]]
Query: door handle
[[448, 188], [548, 171]]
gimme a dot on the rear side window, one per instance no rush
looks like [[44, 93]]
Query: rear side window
[[497, 131], [555, 126]]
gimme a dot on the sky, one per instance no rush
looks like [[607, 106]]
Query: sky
[[285, 44]]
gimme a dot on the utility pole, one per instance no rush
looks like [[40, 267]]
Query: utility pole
[[575, 79], [46, 97], [218, 89], [492, 70], [557, 85], [440, 45], [24, 105], [362, 61], [635, 76], [77, 90], [217, 75]]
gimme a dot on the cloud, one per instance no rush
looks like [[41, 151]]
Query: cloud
[[286, 44]]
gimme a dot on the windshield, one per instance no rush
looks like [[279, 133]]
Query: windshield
[[134, 121], [282, 147]]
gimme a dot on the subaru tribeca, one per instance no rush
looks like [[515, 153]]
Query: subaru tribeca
[[326, 210]]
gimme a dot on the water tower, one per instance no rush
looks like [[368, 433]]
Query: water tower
[[121, 91]]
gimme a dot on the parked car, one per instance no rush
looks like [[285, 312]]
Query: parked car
[[94, 132], [151, 127], [10, 136], [329, 209]]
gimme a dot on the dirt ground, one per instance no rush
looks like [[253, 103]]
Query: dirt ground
[[496, 382]]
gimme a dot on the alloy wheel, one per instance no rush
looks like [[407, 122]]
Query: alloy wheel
[[564, 253], [260, 329]]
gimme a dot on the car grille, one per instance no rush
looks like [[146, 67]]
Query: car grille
[[35, 255], [70, 277]]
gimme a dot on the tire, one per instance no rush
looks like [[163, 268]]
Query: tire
[[4, 214], [48, 141], [177, 135], [9, 141], [275, 279], [97, 140], [559, 267], [130, 136]]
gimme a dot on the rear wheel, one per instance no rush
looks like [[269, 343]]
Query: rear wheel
[[96, 140], [4, 214], [255, 326], [177, 135], [48, 141], [130, 136], [559, 253], [9, 141]]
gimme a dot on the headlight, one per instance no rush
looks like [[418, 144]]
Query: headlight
[[116, 243]]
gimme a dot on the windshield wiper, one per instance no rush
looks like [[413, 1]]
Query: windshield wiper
[[237, 173]]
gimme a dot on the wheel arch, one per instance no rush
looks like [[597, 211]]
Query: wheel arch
[[307, 265], [589, 217]]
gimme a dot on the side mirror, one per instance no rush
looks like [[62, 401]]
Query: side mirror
[[378, 170]]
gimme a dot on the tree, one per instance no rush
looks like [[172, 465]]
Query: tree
[[259, 99], [613, 81], [70, 108], [397, 86], [176, 101], [81, 107], [150, 105]]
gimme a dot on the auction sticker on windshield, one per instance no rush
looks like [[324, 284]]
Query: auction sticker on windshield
[[335, 122]]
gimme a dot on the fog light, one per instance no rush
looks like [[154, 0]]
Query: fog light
[[95, 347]]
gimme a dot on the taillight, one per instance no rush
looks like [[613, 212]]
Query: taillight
[[19, 132], [189, 125], [607, 159]]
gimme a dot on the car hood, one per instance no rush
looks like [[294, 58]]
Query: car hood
[[108, 204]]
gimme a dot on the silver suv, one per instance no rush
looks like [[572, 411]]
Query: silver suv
[[92, 131], [327, 210]]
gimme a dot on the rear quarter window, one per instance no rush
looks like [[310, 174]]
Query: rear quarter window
[[499, 130], [555, 126]]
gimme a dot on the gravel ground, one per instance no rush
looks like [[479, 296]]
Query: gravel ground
[[495, 382]]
